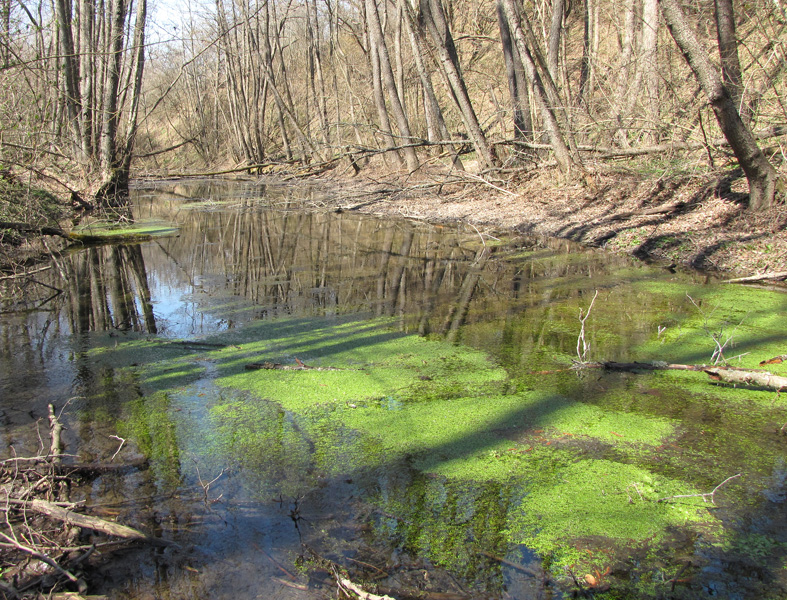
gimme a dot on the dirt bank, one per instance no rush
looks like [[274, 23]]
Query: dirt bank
[[698, 221]]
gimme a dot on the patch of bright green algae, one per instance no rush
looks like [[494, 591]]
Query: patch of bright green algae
[[604, 499], [378, 397], [443, 409], [750, 321], [441, 404], [116, 232]]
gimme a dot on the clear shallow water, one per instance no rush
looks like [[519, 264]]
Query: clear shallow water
[[246, 256]]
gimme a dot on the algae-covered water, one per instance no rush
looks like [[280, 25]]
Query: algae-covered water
[[316, 396]]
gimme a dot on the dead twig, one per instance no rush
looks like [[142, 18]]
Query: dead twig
[[122, 441], [583, 346], [705, 496], [348, 587], [206, 485]]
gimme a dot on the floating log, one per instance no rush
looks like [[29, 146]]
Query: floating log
[[773, 276], [756, 378], [733, 375]]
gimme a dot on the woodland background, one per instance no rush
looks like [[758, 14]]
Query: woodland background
[[95, 90]]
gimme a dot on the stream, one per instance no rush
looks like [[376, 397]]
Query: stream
[[310, 396]]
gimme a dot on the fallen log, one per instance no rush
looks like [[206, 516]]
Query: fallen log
[[52, 510], [734, 375], [773, 276], [94, 469], [756, 378], [39, 230]]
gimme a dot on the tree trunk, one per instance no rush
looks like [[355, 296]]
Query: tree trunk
[[556, 140], [728, 53], [69, 70], [760, 173], [434, 18], [553, 44], [515, 74], [624, 84], [437, 129], [377, 89], [136, 83], [650, 68], [377, 40], [109, 149]]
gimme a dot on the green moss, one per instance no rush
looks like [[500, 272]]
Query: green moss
[[749, 320], [436, 402], [583, 464]]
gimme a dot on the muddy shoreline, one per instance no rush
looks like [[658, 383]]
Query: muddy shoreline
[[699, 222]]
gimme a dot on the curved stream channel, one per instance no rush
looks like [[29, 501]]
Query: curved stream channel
[[436, 444]]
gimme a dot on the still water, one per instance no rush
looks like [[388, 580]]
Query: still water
[[440, 444]]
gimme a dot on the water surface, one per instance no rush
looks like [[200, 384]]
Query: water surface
[[442, 444]]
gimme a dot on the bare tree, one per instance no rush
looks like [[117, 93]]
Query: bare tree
[[760, 173], [515, 74], [433, 17]]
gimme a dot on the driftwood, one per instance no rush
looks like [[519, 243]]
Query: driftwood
[[773, 276], [50, 509], [756, 378], [732, 375]]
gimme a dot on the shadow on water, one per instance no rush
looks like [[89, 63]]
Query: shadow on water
[[144, 333]]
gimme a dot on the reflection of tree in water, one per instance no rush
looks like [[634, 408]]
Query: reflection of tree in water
[[107, 288], [318, 263], [322, 263]]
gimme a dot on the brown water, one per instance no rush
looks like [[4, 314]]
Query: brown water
[[247, 254]]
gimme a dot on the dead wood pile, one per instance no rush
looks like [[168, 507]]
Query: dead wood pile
[[45, 539]]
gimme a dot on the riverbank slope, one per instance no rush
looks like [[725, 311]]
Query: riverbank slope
[[697, 221]]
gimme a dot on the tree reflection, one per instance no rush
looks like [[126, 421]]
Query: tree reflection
[[107, 288]]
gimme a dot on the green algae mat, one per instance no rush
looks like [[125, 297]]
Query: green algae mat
[[625, 484]]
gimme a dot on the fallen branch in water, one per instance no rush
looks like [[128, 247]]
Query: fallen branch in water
[[774, 276], [39, 525], [734, 375], [348, 586], [703, 496], [69, 517]]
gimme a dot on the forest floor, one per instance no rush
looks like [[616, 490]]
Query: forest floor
[[696, 221]]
